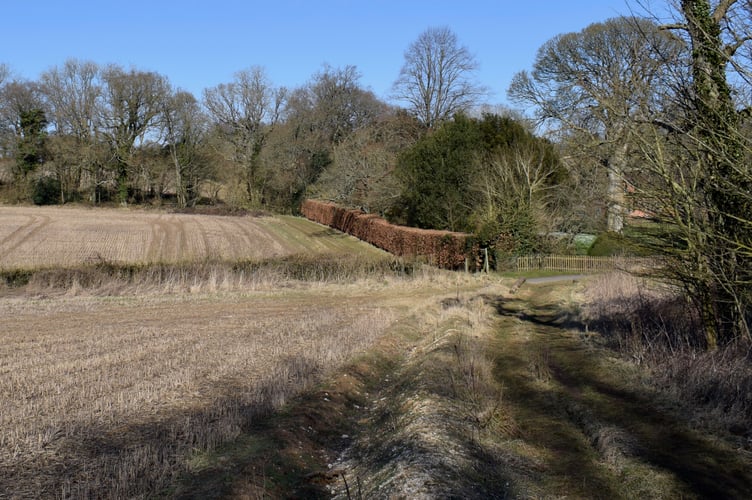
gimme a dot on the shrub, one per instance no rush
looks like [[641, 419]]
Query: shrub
[[583, 242], [656, 326], [46, 191], [607, 244]]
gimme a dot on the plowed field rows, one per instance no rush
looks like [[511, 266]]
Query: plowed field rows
[[32, 237]]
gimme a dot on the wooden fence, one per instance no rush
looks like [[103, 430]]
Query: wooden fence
[[580, 263]]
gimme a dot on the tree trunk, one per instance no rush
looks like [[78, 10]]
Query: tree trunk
[[615, 221], [727, 183], [616, 189], [180, 194]]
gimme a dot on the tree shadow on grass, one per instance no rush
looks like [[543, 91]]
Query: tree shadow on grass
[[194, 452], [597, 421], [330, 233]]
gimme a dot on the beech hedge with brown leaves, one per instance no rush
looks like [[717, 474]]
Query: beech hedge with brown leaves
[[445, 249]]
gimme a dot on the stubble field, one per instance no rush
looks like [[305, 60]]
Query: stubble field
[[145, 354], [111, 397], [109, 391], [68, 237]]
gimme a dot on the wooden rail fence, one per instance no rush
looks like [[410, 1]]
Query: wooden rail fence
[[579, 263]]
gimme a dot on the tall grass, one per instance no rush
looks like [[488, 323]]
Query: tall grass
[[105, 278], [439, 411], [656, 326]]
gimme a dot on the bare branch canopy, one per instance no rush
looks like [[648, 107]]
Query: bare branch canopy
[[436, 79]]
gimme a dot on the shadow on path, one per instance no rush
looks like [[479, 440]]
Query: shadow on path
[[599, 431]]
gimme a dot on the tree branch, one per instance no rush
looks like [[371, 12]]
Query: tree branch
[[674, 26], [722, 9], [731, 49], [669, 127]]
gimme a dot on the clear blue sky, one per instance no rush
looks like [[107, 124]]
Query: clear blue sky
[[199, 44]]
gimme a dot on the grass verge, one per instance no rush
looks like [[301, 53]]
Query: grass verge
[[105, 278], [655, 327], [487, 395]]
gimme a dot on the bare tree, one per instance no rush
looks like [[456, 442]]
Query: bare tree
[[519, 188], [700, 164], [361, 174], [595, 85], [436, 79], [246, 111], [322, 117], [185, 135], [72, 93], [4, 73], [338, 105], [130, 112]]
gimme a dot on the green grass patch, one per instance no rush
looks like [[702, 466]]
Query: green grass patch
[[16, 278], [582, 243], [630, 244], [535, 273]]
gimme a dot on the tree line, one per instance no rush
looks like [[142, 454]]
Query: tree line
[[662, 106], [107, 134], [634, 114], [86, 132]]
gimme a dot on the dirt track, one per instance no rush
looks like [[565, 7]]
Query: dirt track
[[591, 427], [573, 421]]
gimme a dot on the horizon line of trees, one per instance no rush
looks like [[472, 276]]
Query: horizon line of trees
[[84, 131], [636, 112], [103, 133]]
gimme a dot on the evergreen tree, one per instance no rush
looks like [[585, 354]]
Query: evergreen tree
[[30, 150]]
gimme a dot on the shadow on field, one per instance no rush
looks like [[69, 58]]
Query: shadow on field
[[288, 453], [573, 423], [330, 233], [191, 453], [600, 432]]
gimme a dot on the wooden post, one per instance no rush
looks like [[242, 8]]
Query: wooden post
[[517, 285]]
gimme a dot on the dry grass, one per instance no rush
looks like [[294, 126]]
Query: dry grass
[[655, 326], [426, 433], [206, 276], [132, 380], [133, 341], [114, 378], [110, 398], [34, 237]]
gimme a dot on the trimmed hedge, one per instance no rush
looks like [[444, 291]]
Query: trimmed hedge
[[444, 249]]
